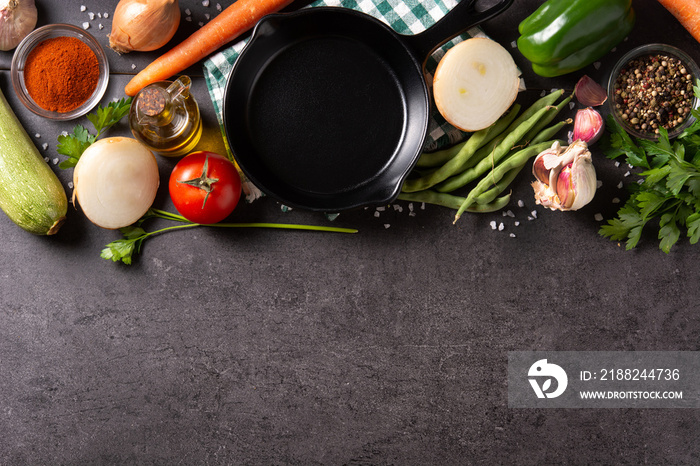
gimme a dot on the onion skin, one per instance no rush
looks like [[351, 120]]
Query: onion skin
[[17, 20], [115, 182], [143, 25]]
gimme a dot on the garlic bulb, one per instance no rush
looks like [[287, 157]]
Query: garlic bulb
[[143, 25], [566, 178], [17, 19]]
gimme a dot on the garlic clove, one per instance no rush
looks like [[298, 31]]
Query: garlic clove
[[590, 93], [545, 161], [588, 126], [583, 181], [17, 20]]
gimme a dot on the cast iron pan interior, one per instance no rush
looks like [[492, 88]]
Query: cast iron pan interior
[[326, 109]]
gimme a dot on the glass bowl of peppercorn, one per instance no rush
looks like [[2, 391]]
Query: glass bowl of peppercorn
[[59, 71], [651, 87]]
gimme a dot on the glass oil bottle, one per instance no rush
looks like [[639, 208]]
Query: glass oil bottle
[[165, 117]]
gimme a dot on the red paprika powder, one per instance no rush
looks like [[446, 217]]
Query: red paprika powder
[[61, 73]]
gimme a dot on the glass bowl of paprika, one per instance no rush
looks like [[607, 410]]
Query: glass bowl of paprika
[[60, 72], [651, 87]]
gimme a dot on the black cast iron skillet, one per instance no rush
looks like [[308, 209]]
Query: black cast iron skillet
[[327, 108]]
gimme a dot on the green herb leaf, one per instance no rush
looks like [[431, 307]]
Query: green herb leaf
[[668, 232], [106, 117], [73, 145]]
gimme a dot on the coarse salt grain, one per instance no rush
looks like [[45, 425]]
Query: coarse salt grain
[[410, 206], [571, 105], [70, 184], [422, 206], [381, 208], [37, 135], [207, 16], [376, 214], [534, 214], [100, 26], [516, 223], [99, 15], [86, 25], [510, 213], [46, 159], [55, 161], [188, 12], [501, 226], [619, 185], [627, 173], [596, 65], [512, 235], [91, 15], [45, 146], [530, 218], [521, 203], [218, 6], [188, 18], [513, 44], [386, 225], [493, 224], [616, 200], [599, 183], [205, 3], [133, 66], [83, 8], [598, 217], [105, 15], [200, 24]]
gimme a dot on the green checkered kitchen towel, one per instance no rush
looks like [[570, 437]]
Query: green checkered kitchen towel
[[404, 16]]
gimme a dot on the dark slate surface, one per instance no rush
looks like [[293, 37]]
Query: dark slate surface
[[385, 347]]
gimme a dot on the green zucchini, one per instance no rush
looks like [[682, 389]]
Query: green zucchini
[[30, 192]]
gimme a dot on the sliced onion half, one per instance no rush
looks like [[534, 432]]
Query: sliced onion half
[[115, 181], [475, 83]]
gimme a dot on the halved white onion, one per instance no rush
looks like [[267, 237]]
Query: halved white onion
[[115, 181], [475, 83]]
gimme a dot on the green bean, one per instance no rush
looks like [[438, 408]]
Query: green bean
[[543, 102], [476, 140], [454, 202], [544, 135], [499, 171], [488, 196], [548, 133], [438, 158], [547, 119], [494, 157]]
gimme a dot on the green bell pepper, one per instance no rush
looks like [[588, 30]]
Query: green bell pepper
[[562, 36]]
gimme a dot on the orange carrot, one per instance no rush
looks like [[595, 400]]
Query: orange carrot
[[687, 12], [228, 25]]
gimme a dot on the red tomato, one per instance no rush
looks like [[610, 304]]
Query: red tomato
[[205, 187]]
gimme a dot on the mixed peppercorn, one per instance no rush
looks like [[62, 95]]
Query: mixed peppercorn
[[654, 91]]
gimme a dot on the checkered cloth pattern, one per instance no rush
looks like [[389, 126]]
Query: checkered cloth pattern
[[404, 16]]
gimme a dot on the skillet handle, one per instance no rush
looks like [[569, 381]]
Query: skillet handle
[[460, 19]]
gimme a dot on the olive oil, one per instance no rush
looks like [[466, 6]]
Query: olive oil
[[164, 116]]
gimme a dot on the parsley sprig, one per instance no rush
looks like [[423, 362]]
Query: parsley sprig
[[669, 190], [104, 117], [134, 235]]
